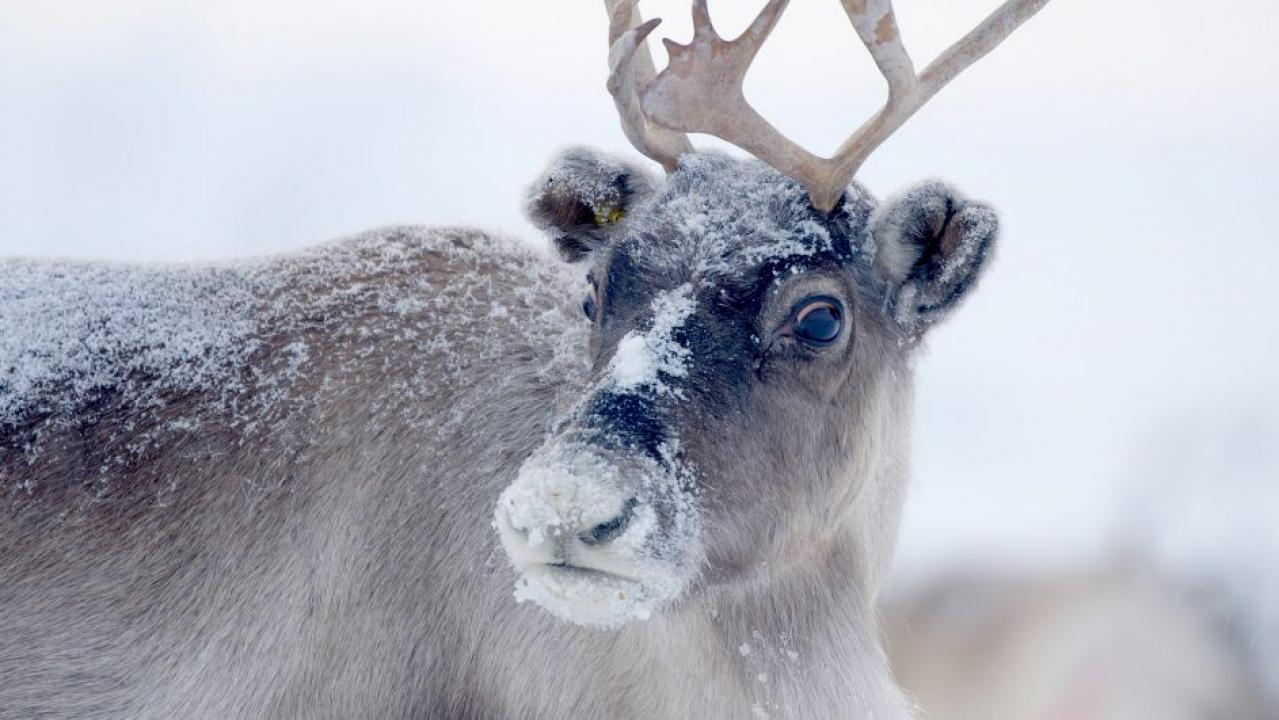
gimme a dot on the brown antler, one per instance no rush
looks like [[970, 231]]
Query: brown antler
[[701, 89]]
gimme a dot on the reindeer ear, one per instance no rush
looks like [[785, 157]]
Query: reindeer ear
[[582, 200], [931, 247]]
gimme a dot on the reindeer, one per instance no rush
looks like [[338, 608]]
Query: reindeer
[[400, 476]]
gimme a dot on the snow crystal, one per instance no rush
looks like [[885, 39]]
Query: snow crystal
[[584, 597], [583, 176], [69, 331], [564, 489], [162, 350], [536, 537], [589, 176], [716, 223], [558, 487], [720, 217], [641, 357]]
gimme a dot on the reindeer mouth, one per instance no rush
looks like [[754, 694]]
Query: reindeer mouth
[[582, 571], [585, 595], [596, 539]]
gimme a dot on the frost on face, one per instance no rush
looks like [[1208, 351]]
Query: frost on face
[[723, 219], [546, 517], [641, 358], [586, 597], [716, 224]]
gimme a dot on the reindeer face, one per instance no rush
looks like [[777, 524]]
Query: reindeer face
[[749, 374]]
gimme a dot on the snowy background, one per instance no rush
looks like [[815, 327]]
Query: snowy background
[[1112, 388]]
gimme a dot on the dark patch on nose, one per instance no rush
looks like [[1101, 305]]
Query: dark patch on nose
[[626, 420]]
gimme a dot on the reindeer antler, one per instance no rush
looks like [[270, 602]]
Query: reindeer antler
[[701, 89], [630, 67]]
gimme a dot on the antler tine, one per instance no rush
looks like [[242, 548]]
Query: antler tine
[[701, 91], [621, 17], [702, 24], [907, 96], [978, 42], [630, 68], [876, 25]]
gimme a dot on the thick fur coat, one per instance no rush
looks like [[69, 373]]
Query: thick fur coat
[[266, 489]]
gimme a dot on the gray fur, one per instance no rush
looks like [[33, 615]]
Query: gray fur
[[305, 530], [574, 197]]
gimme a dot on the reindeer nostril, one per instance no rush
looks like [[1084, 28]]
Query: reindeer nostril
[[612, 529]]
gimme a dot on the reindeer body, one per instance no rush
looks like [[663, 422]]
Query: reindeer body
[[256, 536], [292, 488], [288, 515]]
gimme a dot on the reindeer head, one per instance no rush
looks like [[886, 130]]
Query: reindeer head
[[752, 330]]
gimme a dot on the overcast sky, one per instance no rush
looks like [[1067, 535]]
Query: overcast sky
[[1129, 320]]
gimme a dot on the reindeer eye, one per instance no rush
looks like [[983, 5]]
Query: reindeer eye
[[588, 304], [818, 322]]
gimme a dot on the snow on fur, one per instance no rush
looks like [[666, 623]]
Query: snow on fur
[[924, 211], [642, 358], [724, 218], [566, 487], [69, 331], [151, 354], [715, 222], [550, 499]]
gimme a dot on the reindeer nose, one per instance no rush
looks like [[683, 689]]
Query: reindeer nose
[[536, 530], [599, 533], [612, 529]]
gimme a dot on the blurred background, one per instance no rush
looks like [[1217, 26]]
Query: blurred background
[[1097, 433]]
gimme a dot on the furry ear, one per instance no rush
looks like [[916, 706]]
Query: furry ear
[[932, 245], [582, 200]]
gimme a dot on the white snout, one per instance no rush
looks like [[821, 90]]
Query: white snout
[[571, 511], [553, 506], [573, 527]]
